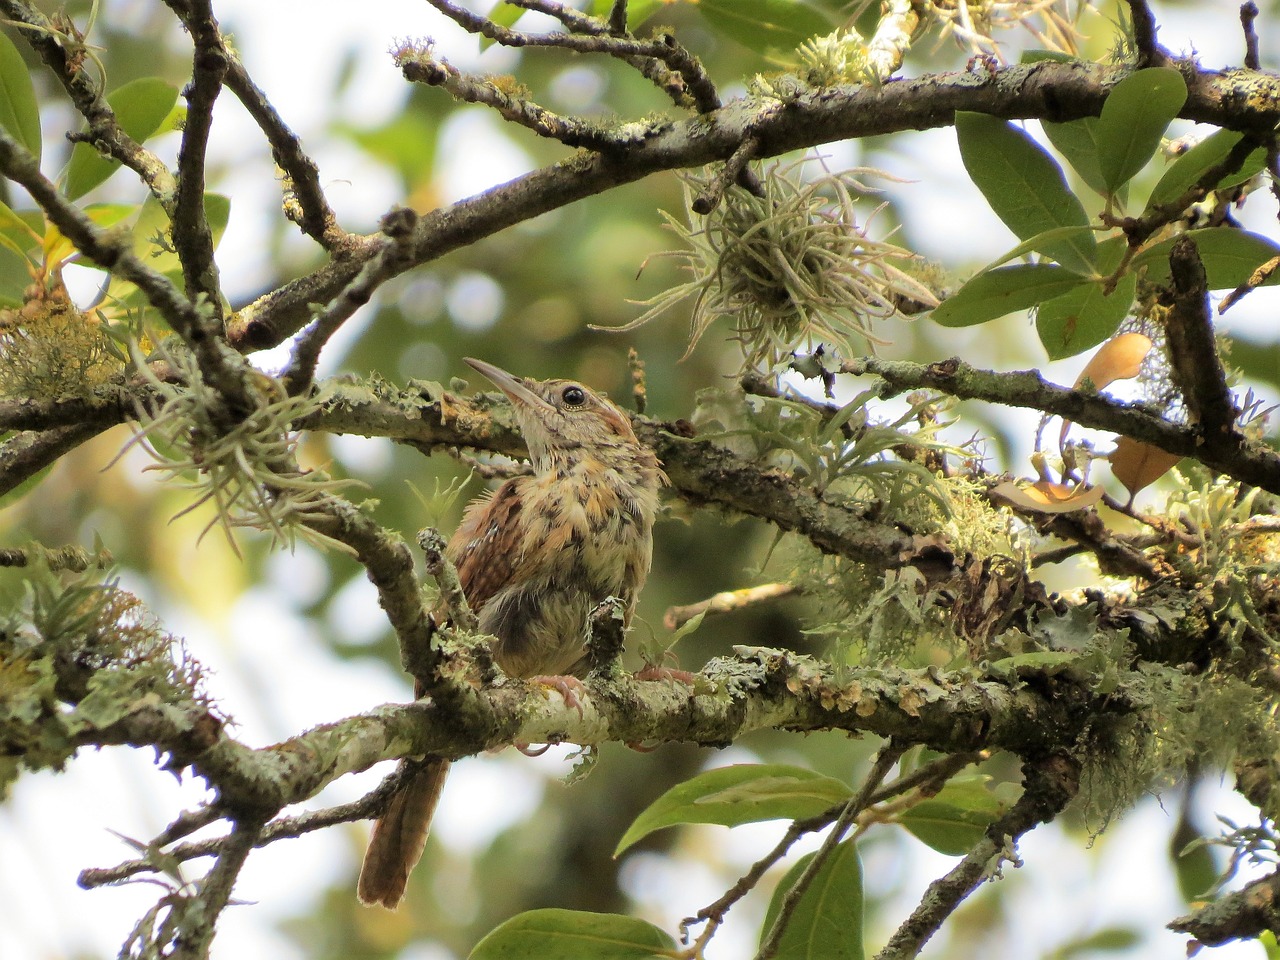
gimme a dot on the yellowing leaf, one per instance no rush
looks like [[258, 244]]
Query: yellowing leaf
[[1120, 358], [1045, 497], [1138, 465]]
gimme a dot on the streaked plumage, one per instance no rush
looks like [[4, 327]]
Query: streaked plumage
[[535, 558]]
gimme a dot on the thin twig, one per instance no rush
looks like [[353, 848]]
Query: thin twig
[[1253, 464], [1150, 53], [75, 559], [885, 759], [663, 48], [730, 173], [370, 805], [1248, 14], [304, 200], [397, 229], [1193, 352], [1256, 279], [1049, 786], [420, 65], [190, 231], [196, 927], [441, 569], [728, 601], [929, 778], [104, 131]]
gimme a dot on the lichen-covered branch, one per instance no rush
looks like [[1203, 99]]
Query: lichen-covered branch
[[1193, 352], [221, 367], [397, 226], [1241, 915], [190, 231], [1251, 464], [105, 133], [1236, 99]]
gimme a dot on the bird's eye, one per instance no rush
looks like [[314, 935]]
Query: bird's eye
[[573, 396]]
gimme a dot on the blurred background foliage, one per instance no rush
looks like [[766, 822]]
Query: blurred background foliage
[[523, 300]]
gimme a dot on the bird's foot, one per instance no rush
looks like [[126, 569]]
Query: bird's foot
[[529, 750], [569, 688], [652, 672]]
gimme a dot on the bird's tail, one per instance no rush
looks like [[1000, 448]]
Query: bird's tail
[[400, 835]]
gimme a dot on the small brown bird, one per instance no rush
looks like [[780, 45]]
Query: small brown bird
[[535, 559]]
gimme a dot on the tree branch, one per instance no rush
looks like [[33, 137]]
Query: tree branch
[[1193, 353], [104, 131], [1242, 915], [1049, 786], [190, 231], [1257, 466], [1238, 100]]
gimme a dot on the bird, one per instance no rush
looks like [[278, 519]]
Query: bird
[[534, 559]]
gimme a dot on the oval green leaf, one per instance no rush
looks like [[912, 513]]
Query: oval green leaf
[[766, 25], [997, 292], [827, 923], [954, 820], [1024, 186], [141, 108], [151, 242], [742, 793], [1084, 317], [1134, 117], [1187, 170], [1077, 140], [1039, 240], [1230, 256], [554, 934], [19, 113]]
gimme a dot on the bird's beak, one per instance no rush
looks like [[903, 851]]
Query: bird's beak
[[510, 385]]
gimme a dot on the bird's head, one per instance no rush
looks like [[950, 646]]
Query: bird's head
[[564, 422]]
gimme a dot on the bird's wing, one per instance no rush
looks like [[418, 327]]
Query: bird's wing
[[484, 548]]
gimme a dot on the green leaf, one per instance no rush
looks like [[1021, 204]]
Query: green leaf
[[742, 793], [1078, 142], [766, 25], [954, 820], [553, 934], [1024, 186], [1229, 256], [151, 242], [141, 106], [1039, 240], [827, 922], [1187, 170], [996, 292], [1257, 360], [1134, 117], [1084, 317], [19, 113]]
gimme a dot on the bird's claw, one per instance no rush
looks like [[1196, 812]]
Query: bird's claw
[[666, 673], [569, 688]]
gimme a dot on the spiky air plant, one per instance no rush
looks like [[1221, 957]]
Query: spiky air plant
[[248, 471], [793, 269]]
